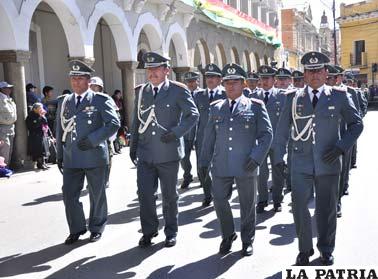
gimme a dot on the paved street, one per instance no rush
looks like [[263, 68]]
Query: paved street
[[33, 227]]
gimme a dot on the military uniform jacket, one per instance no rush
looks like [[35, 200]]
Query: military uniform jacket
[[307, 155], [201, 100], [190, 136], [230, 138], [8, 116], [175, 111], [96, 119], [274, 106]]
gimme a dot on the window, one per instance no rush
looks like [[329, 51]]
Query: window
[[359, 48]]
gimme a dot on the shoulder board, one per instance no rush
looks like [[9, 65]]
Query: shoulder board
[[102, 95], [339, 89], [178, 84], [216, 102], [291, 91], [138, 86], [61, 97], [257, 101]]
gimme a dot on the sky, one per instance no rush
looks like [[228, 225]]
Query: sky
[[317, 7]]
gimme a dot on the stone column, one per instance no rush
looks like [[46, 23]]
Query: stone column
[[128, 83], [180, 71], [14, 73]]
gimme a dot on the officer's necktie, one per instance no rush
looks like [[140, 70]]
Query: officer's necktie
[[192, 93], [266, 98], [156, 89], [78, 101], [233, 102], [211, 99], [315, 98]]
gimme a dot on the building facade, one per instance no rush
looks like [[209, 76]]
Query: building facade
[[40, 37], [359, 36]]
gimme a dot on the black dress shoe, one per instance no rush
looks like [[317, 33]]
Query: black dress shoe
[[185, 183], [95, 236], [226, 244], [277, 207], [346, 192], [338, 210], [303, 258], [207, 201], [326, 258], [247, 249], [73, 237], [145, 240], [260, 206], [170, 241]]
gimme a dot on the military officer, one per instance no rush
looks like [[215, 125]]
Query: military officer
[[283, 79], [237, 139], [8, 117], [315, 112], [298, 79], [274, 101], [251, 84], [164, 112], [191, 80], [213, 92], [85, 120]]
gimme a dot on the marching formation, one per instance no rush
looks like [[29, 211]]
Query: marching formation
[[300, 126]]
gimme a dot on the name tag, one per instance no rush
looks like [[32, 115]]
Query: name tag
[[331, 108]]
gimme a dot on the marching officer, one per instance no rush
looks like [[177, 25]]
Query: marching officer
[[164, 112], [283, 79], [213, 92], [274, 101], [315, 113], [252, 81], [298, 79], [191, 80], [235, 124], [85, 120]]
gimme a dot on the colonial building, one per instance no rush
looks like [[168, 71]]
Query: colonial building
[[38, 38], [359, 35], [326, 39], [299, 35]]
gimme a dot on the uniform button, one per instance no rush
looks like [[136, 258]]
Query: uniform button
[[230, 129], [231, 119], [313, 142], [313, 124], [229, 138], [73, 138], [153, 133], [295, 148], [153, 124], [74, 116], [313, 115], [230, 148]]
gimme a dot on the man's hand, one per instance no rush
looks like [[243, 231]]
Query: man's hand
[[202, 173], [133, 157], [250, 165], [60, 165], [168, 137], [84, 144], [330, 156]]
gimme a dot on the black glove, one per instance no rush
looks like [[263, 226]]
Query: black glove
[[168, 137], [60, 165], [84, 144], [133, 157], [280, 166], [202, 173], [250, 165], [330, 156]]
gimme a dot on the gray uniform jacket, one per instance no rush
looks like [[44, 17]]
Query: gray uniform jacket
[[307, 155], [175, 111], [230, 138], [202, 102], [96, 119], [274, 106], [190, 136]]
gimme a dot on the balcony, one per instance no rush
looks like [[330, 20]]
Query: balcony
[[359, 60]]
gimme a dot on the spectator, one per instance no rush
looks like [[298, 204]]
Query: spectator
[[8, 116], [50, 105], [38, 145], [32, 96], [117, 97], [66, 92]]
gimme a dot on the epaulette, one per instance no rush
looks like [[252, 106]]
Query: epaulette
[[216, 102], [257, 101], [179, 84], [102, 95], [339, 89], [291, 91], [138, 86], [61, 97]]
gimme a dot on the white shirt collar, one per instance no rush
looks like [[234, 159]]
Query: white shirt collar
[[320, 91], [215, 90], [160, 85], [82, 96], [237, 100]]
